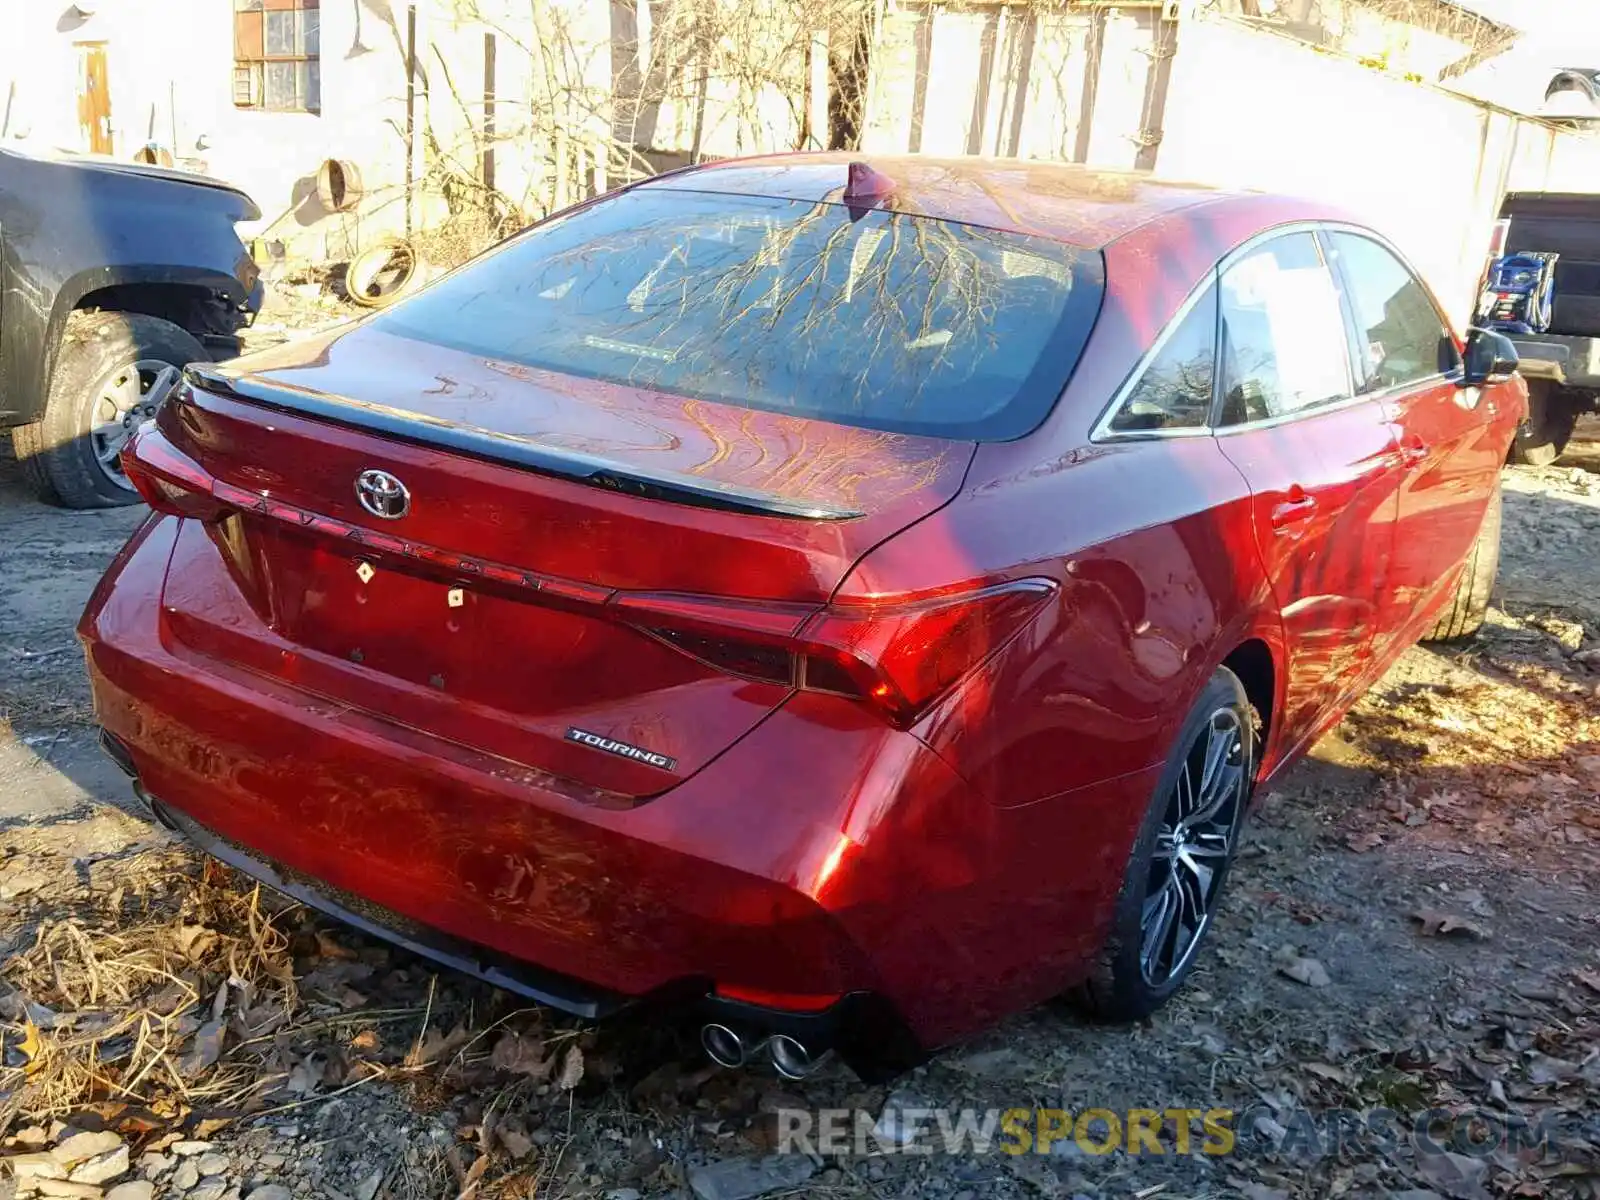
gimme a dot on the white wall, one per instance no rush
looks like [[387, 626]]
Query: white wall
[[1426, 167], [170, 67], [1244, 108], [173, 59]]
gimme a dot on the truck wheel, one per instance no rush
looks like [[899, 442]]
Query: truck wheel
[[1545, 434], [112, 372], [1463, 616]]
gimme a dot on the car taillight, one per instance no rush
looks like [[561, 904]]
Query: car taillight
[[897, 657], [902, 657], [169, 481]]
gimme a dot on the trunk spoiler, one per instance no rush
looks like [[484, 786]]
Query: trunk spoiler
[[419, 429]]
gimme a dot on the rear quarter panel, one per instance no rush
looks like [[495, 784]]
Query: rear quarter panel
[[1150, 540]]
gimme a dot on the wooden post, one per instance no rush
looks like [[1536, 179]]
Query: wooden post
[[988, 41], [563, 167], [411, 112], [1094, 51], [817, 106], [1030, 37], [488, 113], [701, 87], [919, 82]]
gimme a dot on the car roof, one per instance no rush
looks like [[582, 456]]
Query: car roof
[[1067, 202]]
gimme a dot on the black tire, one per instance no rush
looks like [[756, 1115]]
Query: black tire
[[1469, 603], [1121, 987], [1543, 437], [60, 453]]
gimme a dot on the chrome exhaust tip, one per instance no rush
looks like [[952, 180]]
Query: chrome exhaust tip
[[724, 1046], [154, 809], [791, 1058]]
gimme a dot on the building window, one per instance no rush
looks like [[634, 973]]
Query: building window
[[275, 55]]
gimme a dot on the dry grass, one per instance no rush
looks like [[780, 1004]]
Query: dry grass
[[187, 998], [21, 713], [137, 1010]]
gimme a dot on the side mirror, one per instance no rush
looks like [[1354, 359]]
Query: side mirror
[[1490, 357]]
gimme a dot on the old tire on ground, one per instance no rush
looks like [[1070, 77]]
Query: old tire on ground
[[1180, 858], [380, 274], [112, 372], [1463, 616], [1544, 435]]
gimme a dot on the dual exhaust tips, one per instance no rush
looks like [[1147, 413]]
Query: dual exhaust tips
[[728, 1048]]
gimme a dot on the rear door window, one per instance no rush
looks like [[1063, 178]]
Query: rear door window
[[1400, 336], [863, 317], [1284, 347]]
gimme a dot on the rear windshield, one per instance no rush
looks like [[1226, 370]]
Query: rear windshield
[[863, 317]]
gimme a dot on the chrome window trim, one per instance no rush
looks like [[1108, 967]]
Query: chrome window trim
[[1302, 414], [1444, 322], [1102, 432]]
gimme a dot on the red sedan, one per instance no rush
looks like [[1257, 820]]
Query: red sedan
[[854, 599]]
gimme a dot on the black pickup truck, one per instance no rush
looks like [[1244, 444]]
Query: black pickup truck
[[112, 277], [1562, 364]]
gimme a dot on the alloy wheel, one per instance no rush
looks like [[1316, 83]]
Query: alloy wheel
[[123, 400], [1193, 846]]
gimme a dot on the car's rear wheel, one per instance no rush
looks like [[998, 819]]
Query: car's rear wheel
[[1180, 859], [112, 372], [1463, 616]]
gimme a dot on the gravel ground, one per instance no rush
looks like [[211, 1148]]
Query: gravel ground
[[1411, 929]]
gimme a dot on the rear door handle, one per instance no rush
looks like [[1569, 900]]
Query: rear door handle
[[1296, 509]]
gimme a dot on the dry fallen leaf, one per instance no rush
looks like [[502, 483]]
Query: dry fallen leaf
[[195, 940], [434, 1046], [1260, 1191], [474, 1173], [30, 1046], [521, 1056], [205, 1049], [1544, 1069], [1438, 923], [517, 1144], [1304, 970], [349, 999], [328, 946]]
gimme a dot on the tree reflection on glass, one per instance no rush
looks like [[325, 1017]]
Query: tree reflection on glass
[[812, 308]]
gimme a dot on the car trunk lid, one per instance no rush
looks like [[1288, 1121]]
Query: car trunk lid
[[543, 508]]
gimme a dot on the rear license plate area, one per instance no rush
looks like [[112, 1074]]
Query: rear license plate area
[[418, 629]]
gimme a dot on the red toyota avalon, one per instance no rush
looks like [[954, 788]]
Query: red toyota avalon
[[854, 600]]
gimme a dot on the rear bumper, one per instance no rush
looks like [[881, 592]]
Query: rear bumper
[[559, 991], [1573, 361], [866, 1030], [822, 856]]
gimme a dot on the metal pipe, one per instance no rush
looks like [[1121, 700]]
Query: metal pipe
[[725, 1047], [792, 1058]]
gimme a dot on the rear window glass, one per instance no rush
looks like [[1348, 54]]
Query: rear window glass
[[867, 318]]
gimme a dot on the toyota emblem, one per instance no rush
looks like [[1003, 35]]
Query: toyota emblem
[[382, 495]]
